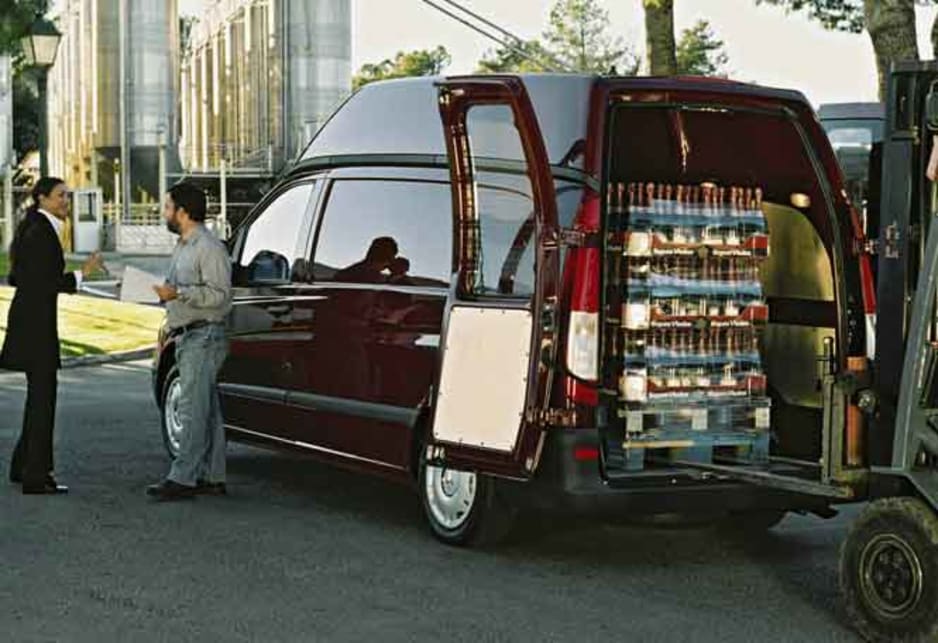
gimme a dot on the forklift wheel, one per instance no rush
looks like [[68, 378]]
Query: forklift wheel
[[889, 571]]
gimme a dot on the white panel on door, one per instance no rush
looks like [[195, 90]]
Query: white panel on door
[[484, 378]]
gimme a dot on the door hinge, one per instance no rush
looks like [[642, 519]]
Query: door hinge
[[551, 417]]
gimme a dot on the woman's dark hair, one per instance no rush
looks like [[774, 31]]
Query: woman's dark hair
[[44, 187], [190, 198]]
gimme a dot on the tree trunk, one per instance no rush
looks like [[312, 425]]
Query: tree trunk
[[891, 25], [659, 37]]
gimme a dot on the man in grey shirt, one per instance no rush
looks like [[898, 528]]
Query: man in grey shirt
[[197, 295]]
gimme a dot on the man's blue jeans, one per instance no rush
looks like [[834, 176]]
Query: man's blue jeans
[[200, 354]]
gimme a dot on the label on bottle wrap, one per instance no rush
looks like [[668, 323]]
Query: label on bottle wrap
[[763, 417], [636, 316]]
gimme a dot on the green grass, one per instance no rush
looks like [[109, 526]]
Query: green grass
[[90, 326]]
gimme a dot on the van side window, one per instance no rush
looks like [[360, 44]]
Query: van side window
[[377, 231], [273, 244]]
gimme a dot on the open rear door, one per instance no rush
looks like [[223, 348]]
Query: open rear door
[[498, 348]]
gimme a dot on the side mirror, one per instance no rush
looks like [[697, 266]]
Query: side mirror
[[931, 109], [268, 267]]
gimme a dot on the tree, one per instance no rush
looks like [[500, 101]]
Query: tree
[[527, 56], [26, 114], [890, 24], [422, 62], [15, 21], [576, 39], [700, 52], [659, 37]]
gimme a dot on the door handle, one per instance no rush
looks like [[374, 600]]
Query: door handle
[[279, 310]]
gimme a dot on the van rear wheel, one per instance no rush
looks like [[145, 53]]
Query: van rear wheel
[[462, 507], [889, 571]]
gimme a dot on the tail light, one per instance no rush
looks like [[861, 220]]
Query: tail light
[[583, 329], [583, 345]]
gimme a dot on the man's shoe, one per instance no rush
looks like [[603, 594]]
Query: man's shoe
[[48, 487], [169, 490], [206, 488]]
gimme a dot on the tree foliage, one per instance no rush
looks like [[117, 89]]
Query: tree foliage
[[700, 52], [16, 16], [421, 62], [25, 114], [576, 39], [838, 15], [578, 35], [527, 56], [889, 23]]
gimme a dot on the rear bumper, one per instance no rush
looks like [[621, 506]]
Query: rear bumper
[[567, 485]]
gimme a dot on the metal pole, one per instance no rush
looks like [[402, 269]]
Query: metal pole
[[117, 206], [223, 215], [41, 82], [8, 208], [162, 167], [124, 142]]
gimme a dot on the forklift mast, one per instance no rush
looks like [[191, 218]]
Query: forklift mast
[[903, 439], [901, 238]]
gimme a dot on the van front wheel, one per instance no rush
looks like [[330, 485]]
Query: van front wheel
[[462, 507]]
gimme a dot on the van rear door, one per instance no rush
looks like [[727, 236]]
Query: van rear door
[[493, 382]]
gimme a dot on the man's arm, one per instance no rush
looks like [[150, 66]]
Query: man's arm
[[215, 290]]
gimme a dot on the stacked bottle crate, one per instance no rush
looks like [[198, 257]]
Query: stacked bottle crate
[[690, 377]]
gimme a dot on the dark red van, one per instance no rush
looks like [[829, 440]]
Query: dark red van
[[607, 295]]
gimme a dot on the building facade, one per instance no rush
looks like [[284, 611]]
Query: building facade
[[258, 78], [85, 92]]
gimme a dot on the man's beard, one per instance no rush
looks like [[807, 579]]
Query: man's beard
[[172, 225]]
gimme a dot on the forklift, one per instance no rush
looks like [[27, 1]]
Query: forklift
[[889, 558]]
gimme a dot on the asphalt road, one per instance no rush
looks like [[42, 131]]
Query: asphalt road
[[303, 552]]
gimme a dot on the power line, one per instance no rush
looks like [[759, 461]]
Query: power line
[[520, 41], [507, 45]]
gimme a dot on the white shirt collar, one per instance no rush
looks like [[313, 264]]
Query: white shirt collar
[[56, 223]]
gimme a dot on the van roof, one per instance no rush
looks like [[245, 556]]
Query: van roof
[[401, 117]]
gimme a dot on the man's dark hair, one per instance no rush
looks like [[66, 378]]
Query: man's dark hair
[[382, 249], [190, 198], [44, 187]]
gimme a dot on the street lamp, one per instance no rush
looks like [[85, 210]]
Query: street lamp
[[40, 46]]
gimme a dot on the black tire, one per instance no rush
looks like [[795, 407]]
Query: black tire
[[172, 377], [487, 520], [889, 571]]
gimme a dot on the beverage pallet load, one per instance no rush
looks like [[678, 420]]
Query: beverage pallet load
[[685, 263]]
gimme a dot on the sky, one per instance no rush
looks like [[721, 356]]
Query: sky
[[764, 44]]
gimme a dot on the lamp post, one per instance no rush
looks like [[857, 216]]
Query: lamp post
[[40, 46]]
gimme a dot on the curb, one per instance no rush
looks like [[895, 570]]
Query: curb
[[110, 358]]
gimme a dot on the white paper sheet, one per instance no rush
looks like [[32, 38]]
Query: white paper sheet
[[137, 285]]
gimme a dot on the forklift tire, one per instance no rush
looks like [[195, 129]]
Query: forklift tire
[[889, 571], [462, 508]]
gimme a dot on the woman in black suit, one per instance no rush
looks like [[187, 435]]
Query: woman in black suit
[[32, 340]]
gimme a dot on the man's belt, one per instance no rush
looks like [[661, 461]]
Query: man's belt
[[175, 332]]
